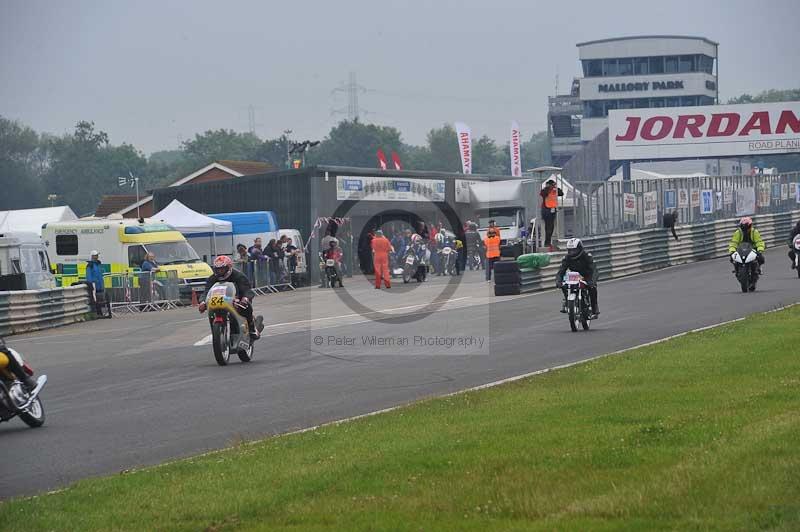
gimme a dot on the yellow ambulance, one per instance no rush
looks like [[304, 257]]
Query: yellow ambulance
[[122, 244]]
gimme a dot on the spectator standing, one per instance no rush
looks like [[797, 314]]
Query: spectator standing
[[149, 263], [256, 251], [492, 243], [273, 257], [381, 247], [94, 278], [550, 194]]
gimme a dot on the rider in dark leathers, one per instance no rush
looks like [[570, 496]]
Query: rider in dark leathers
[[581, 261], [224, 272]]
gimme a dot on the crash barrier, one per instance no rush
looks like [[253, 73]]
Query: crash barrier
[[606, 207], [32, 310], [263, 278], [621, 254], [131, 292]]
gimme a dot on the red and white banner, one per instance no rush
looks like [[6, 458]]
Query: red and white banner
[[464, 134], [705, 131], [396, 161], [515, 149], [381, 159]]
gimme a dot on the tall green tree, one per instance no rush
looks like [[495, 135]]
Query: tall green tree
[[83, 167], [767, 96], [353, 143], [221, 144], [20, 166]]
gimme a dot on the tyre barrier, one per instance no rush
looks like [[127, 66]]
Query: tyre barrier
[[32, 310], [622, 254], [506, 278]]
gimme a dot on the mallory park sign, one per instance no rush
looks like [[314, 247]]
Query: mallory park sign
[[705, 131], [640, 86]]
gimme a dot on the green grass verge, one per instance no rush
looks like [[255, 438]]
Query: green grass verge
[[700, 432]]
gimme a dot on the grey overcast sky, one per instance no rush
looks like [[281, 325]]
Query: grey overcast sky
[[153, 73]]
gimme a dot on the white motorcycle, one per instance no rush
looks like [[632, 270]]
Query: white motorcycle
[[796, 246], [447, 260], [745, 264], [579, 305]]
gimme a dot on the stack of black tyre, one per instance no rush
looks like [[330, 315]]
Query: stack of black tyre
[[506, 278]]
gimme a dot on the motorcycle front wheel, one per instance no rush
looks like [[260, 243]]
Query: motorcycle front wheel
[[34, 416], [406, 276], [220, 343], [744, 278], [572, 317]]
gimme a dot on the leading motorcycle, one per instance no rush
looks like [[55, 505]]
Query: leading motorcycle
[[229, 330], [745, 266], [15, 400], [579, 303]]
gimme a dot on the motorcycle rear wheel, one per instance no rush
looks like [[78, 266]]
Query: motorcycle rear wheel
[[34, 417], [221, 343]]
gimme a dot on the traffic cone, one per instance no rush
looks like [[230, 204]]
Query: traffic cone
[[194, 299]]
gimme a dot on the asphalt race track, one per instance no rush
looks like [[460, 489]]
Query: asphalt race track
[[136, 390]]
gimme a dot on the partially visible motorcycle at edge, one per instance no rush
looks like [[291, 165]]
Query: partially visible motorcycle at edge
[[14, 399]]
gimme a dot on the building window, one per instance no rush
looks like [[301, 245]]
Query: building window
[[626, 104], [609, 105], [593, 68], [706, 64], [657, 102], [705, 100], [640, 66], [67, 244], [689, 101], [656, 65], [593, 109], [673, 102], [642, 103], [610, 67], [671, 64], [686, 63], [625, 67]]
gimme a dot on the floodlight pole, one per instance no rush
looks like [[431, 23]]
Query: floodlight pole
[[138, 215]]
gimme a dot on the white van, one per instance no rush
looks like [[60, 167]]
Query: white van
[[24, 264]]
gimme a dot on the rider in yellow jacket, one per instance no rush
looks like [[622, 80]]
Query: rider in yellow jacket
[[747, 233]]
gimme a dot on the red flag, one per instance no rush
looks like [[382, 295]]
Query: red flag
[[381, 159], [396, 161]]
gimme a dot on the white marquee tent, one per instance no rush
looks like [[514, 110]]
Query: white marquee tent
[[208, 236], [31, 220]]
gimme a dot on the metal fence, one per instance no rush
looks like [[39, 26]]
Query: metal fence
[[617, 206], [266, 278], [142, 291]]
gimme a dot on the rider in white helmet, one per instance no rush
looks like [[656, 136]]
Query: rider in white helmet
[[581, 261]]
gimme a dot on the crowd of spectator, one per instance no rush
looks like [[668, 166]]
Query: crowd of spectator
[[274, 264]]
